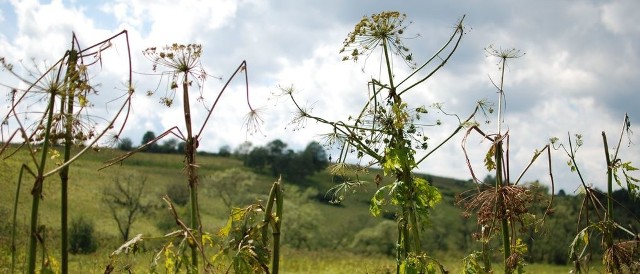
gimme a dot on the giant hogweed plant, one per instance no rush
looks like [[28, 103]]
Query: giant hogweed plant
[[248, 249], [389, 133], [52, 114], [505, 208], [619, 244]]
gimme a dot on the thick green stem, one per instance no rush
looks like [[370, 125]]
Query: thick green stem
[[608, 235], [275, 263], [275, 222], [389, 72], [191, 146], [15, 215], [506, 243], [37, 188], [70, 79], [609, 216], [414, 228]]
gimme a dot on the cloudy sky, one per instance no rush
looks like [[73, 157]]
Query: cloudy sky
[[579, 74]]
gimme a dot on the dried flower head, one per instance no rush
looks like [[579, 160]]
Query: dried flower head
[[253, 121], [67, 79], [182, 61], [503, 54], [180, 58], [515, 203], [622, 254], [382, 29]]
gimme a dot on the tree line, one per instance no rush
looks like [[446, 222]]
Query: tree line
[[275, 158]]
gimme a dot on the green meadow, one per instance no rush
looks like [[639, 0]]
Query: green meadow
[[341, 238]]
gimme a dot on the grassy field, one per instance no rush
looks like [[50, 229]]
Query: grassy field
[[336, 225]]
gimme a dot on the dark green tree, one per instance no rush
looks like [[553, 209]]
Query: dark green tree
[[257, 159], [82, 240], [243, 150], [169, 146], [125, 144], [315, 157], [181, 147], [276, 147], [225, 151], [278, 160], [148, 137]]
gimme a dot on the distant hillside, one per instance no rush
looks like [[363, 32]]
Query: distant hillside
[[310, 222]]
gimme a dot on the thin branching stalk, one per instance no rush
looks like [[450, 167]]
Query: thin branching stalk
[[36, 192], [15, 215], [183, 62], [274, 221], [59, 121], [504, 204], [70, 78], [617, 255], [385, 131]]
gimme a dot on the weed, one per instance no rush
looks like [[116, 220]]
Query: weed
[[245, 237], [499, 207], [387, 132], [596, 218], [67, 93]]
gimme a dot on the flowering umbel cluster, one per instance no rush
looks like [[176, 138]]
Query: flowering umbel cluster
[[385, 28]]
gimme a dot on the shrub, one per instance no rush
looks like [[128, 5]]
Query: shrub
[[125, 144], [81, 237], [178, 192], [380, 239]]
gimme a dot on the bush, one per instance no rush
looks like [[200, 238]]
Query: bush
[[380, 239], [179, 193], [125, 144], [81, 237]]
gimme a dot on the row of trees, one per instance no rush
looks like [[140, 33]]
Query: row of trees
[[276, 159], [168, 146]]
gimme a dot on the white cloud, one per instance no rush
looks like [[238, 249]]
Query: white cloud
[[617, 15], [171, 21], [580, 73]]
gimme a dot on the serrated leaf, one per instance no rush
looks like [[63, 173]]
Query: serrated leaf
[[377, 201], [488, 159], [628, 167]]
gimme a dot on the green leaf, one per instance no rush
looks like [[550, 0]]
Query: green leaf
[[378, 200], [628, 167], [488, 159], [585, 237], [397, 158], [427, 195]]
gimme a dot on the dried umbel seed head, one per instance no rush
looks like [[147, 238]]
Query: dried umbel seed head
[[515, 203], [623, 254], [181, 58]]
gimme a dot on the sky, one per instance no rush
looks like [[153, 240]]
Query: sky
[[578, 75]]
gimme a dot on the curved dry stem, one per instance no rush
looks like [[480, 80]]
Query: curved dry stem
[[241, 68], [466, 154], [459, 30], [175, 131]]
